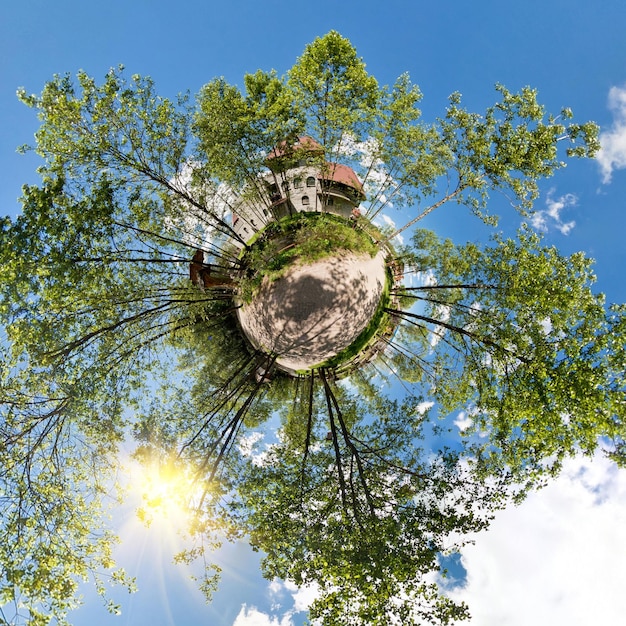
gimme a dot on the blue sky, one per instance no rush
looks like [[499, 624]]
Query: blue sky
[[552, 560]]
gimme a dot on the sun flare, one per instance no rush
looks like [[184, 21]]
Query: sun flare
[[166, 494]]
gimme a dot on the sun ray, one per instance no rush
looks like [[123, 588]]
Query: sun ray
[[166, 491]]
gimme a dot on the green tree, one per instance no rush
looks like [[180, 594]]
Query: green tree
[[97, 301], [518, 339], [349, 500], [56, 488]]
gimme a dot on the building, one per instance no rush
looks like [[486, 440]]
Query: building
[[298, 179]]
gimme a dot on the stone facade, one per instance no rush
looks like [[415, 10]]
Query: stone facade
[[298, 181]]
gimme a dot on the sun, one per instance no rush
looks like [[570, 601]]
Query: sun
[[166, 492]]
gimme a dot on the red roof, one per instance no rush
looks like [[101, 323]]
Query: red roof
[[345, 175], [303, 144], [332, 171]]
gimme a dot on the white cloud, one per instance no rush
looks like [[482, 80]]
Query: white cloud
[[463, 421], [414, 278], [612, 154], [187, 222], [303, 596], [253, 617], [424, 406], [546, 325], [247, 443], [388, 221], [551, 216], [275, 587], [555, 559], [442, 313]]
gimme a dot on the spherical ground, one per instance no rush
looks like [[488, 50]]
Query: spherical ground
[[316, 310]]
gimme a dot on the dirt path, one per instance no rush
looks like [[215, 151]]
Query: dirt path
[[316, 310]]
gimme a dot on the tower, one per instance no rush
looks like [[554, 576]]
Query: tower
[[298, 179]]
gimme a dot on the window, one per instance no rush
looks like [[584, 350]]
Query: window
[[310, 181], [274, 195], [305, 199], [297, 183]]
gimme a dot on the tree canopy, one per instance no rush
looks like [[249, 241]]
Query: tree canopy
[[333, 473]]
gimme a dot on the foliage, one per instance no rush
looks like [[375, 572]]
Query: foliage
[[56, 486], [523, 345], [349, 500], [99, 314]]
